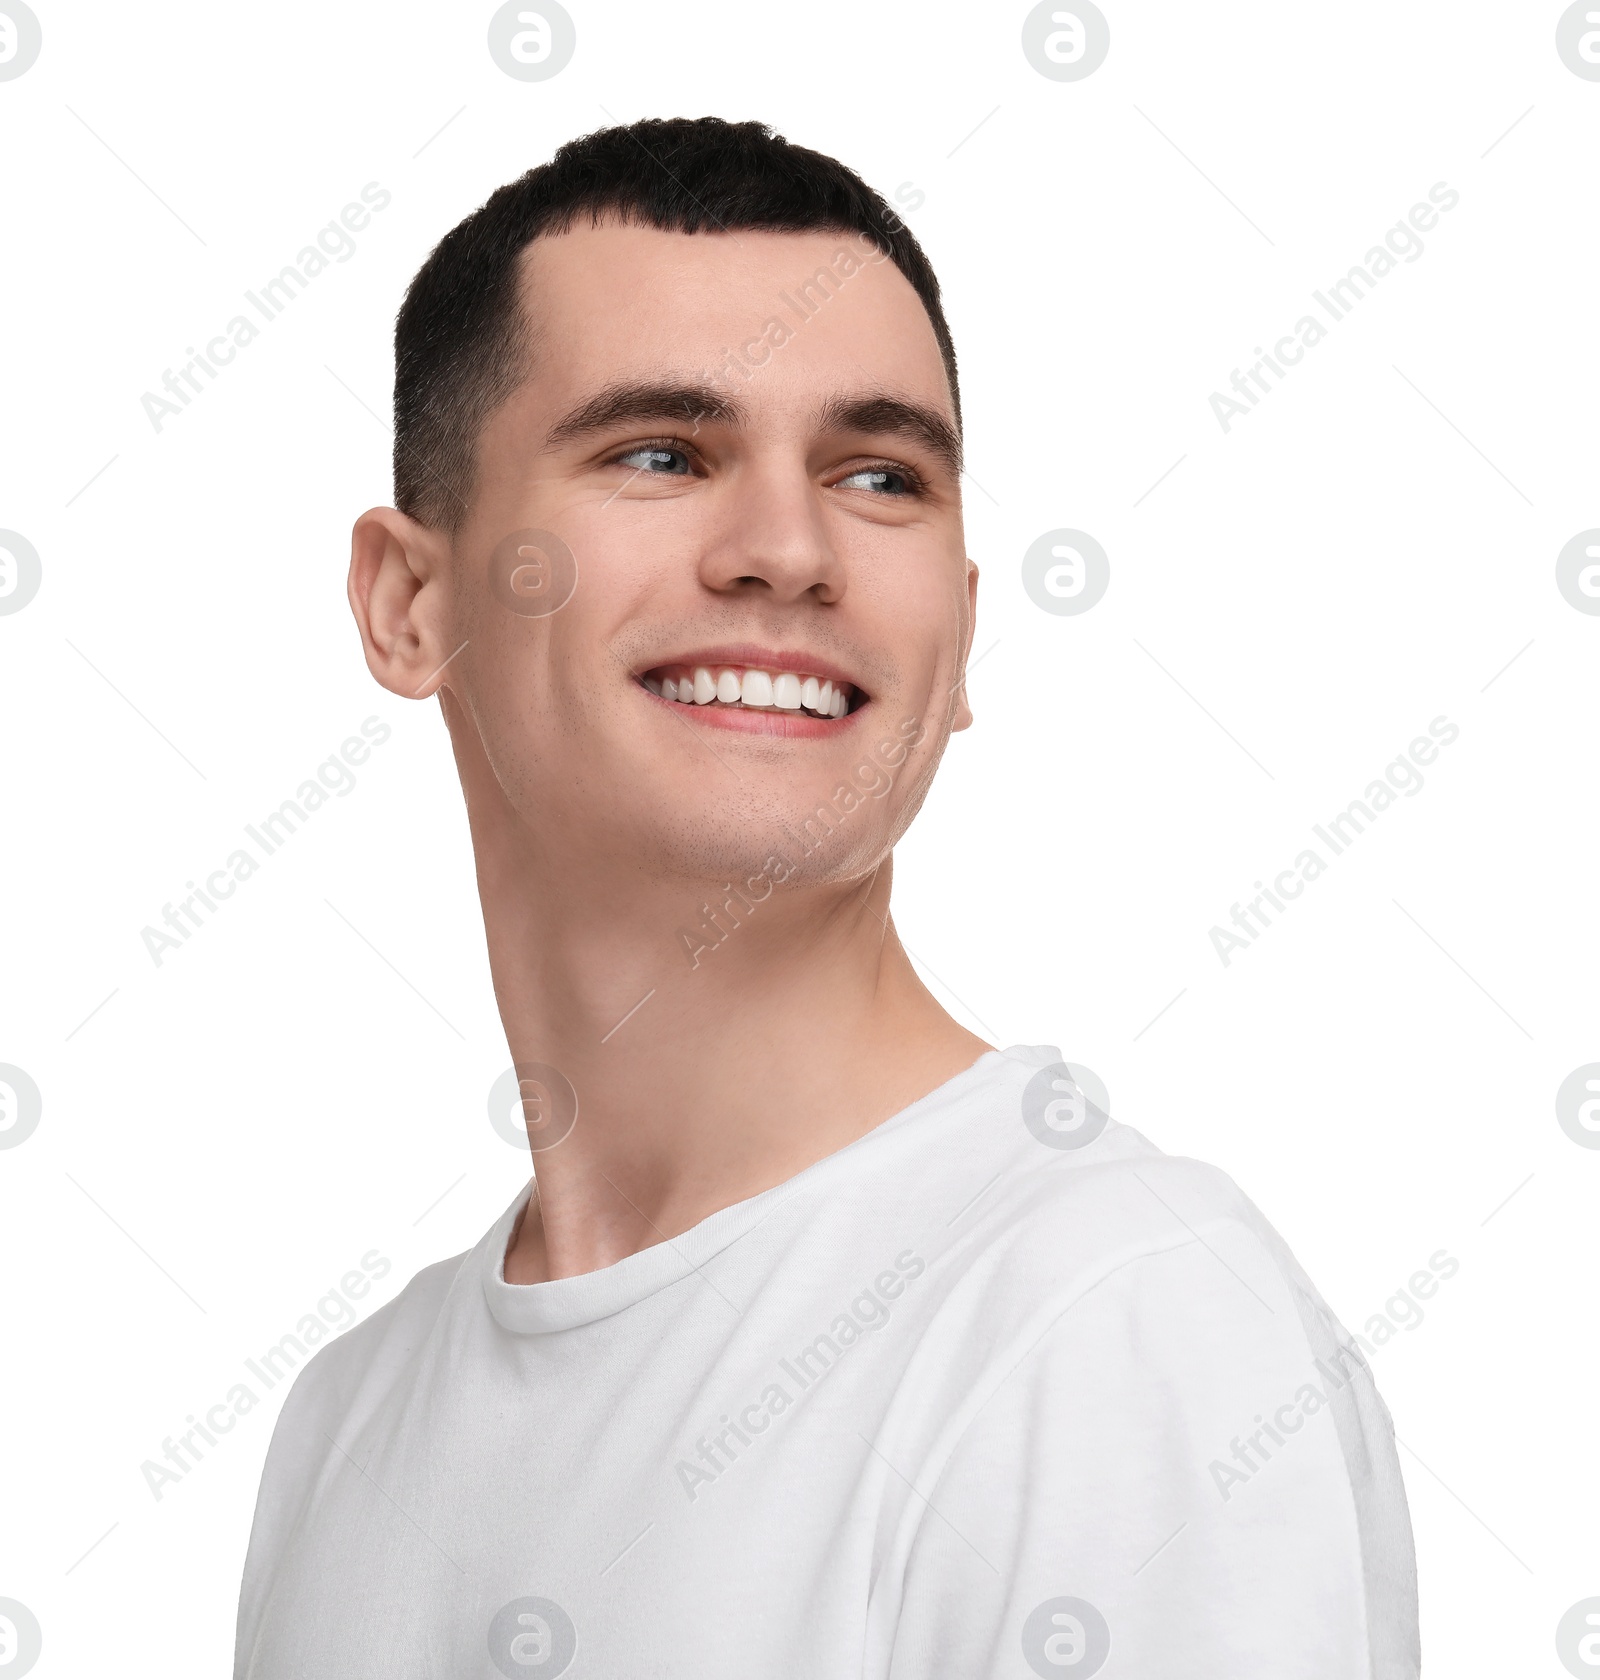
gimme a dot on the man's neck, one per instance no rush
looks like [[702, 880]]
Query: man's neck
[[701, 1084], [707, 1066]]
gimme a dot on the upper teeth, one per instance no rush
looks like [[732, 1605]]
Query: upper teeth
[[738, 685]]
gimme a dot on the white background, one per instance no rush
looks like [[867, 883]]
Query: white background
[[225, 1135]]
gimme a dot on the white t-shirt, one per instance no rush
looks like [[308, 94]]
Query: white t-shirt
[[998, 1389]]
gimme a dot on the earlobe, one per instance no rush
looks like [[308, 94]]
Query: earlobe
[[397, 596]]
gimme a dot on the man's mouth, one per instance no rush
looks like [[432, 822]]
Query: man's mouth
[[753, 688]]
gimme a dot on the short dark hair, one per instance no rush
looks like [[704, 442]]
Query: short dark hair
[[460, 341]]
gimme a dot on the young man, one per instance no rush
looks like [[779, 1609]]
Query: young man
[[829, 1340]]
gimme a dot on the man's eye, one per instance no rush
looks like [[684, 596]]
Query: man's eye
[[672, 462], [882, 481]]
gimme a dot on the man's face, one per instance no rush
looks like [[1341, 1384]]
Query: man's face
[[744, 441]]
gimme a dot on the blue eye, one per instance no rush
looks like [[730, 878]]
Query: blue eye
[[670, 462], [882, 481]]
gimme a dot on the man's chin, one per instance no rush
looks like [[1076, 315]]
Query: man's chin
[[807, 845]]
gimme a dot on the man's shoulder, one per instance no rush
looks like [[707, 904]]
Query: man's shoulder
[[361, 1363], [1066, 1174], [1114, 1265], [1062, 1221]]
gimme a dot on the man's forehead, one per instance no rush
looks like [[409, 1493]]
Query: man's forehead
[[616, 301]]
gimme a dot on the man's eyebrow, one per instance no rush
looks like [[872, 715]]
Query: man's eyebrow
[[676, 401], [898, 416]]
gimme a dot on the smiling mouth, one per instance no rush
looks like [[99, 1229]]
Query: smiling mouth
[[749, 688]]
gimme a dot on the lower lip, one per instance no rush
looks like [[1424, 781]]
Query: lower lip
[[794, 725]]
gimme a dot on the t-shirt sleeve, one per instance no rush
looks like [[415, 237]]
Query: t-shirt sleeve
[[1181, 1468]]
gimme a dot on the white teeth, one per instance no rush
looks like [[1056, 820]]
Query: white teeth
[[756, 689], [742, 685]]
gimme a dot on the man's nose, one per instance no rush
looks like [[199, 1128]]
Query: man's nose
[[773, 535]]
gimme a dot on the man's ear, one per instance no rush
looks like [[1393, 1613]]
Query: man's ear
[[399, 593], [963, 717]]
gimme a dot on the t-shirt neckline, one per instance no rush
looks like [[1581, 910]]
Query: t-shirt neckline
[[567, 1303]]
